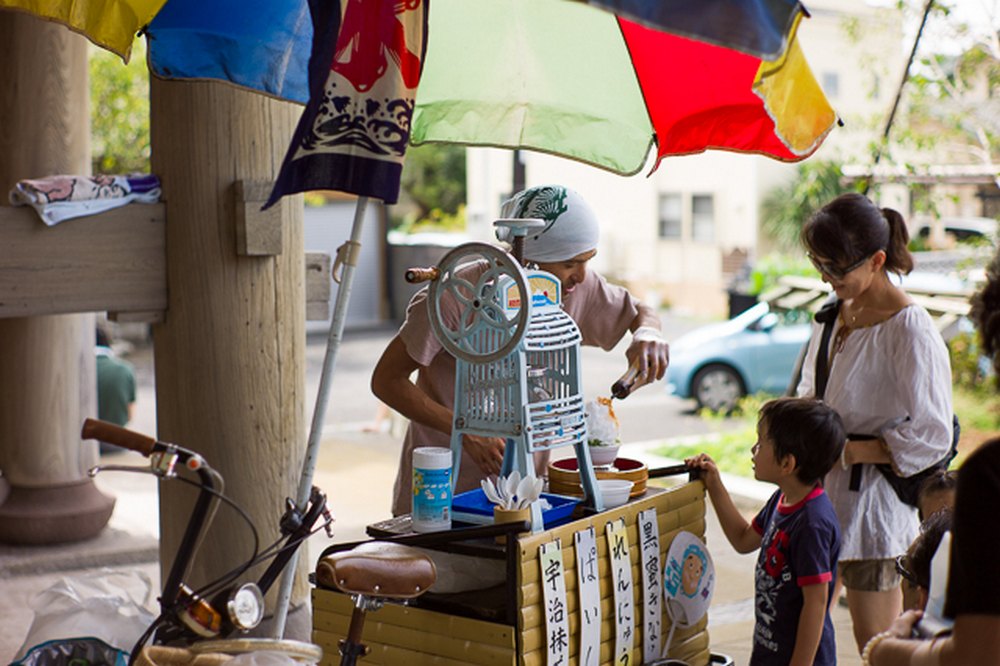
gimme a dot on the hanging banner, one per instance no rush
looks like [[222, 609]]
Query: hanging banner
[[652, 590], [588, 583], [621, 577], [554, 596]]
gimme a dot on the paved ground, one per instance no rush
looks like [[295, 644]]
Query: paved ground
[[358, 496]]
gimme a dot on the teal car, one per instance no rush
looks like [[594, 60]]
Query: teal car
[[754, 351]]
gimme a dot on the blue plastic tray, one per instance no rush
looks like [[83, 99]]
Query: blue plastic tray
[[475, 502]]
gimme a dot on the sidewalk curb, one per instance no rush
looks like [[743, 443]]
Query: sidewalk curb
[[112, 547]]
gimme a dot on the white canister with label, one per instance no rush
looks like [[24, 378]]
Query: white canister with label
[[431, 489]]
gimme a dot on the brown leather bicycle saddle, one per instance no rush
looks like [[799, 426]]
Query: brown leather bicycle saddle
[[378, 569]]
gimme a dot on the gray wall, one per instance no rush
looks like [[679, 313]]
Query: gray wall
[[327, 228]]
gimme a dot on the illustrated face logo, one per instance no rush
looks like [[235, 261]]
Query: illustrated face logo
[[693, 569]]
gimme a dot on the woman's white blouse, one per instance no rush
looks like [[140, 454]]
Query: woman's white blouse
[[891, 380]]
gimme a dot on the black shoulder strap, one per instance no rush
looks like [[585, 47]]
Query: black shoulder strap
[[827, 316]]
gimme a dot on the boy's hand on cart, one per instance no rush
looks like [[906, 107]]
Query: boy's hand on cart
[[486, 452], [709, 470]]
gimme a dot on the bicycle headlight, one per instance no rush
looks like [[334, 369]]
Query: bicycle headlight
[[245, 606]]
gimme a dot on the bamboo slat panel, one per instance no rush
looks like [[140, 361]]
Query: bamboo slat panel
[[415, 636], [679, 508], [412, 636]]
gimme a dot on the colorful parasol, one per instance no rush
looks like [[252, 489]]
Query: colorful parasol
[[599, 81], [559, 77]]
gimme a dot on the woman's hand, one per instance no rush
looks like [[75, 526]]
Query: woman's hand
[[902, 626]]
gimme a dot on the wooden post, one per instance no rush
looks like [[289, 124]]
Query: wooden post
[[47, 369], [230, 354]]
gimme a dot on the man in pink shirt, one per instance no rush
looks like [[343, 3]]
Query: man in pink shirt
[[604, 313]]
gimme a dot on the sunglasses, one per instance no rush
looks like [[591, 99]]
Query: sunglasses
[[908, 575], [831, 270]]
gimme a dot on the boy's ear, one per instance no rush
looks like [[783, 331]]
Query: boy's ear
[[788, 463]]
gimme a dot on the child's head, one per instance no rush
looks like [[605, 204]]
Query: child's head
[[807, 429], [915, 565], [936, 492]]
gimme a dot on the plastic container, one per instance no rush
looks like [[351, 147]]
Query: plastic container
[[474, 503], [614, 492], [431, 489]]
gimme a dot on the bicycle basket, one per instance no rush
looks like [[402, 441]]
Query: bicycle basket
[[76, 651]]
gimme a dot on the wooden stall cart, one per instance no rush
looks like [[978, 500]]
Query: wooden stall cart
[[534, 624]]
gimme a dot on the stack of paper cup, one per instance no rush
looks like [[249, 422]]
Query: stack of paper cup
[[431, 489]]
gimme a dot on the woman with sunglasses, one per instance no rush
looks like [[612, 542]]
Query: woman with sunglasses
[[889, 378]]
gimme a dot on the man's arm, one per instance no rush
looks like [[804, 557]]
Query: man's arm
[[810, 624], [391, 384], [648, 351]]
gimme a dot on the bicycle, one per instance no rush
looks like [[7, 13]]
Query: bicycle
[[203, 620], [224, 607]]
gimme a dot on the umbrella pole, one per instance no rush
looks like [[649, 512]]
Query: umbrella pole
[[349, 258]]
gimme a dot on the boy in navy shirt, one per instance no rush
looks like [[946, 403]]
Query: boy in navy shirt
[[798, 441]]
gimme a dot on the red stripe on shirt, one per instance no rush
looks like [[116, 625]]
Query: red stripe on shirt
[[815, 579]]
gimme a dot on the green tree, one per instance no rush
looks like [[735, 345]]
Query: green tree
[[785, 208], [119, 112], [950, 113], [434, 178]]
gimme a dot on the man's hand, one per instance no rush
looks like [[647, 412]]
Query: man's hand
[[650, 353], [486, 452]]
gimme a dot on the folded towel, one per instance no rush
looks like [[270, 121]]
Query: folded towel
[[59, 198]]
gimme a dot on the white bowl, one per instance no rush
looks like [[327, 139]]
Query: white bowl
[[615, 492], [603, 455]]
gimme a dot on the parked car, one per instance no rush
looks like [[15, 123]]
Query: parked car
[[757, 350], [961, 228], [754, 351]]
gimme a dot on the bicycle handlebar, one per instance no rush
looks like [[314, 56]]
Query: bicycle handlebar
[[113, 434]]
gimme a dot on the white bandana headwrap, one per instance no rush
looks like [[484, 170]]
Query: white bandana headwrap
[[570, 225]]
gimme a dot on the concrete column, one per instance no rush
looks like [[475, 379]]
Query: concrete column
[[230, 354], [47, 370]]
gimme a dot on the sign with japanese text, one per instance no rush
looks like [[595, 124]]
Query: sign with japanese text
[[621, 578], [588, 584], [652, 590], [554, 598]]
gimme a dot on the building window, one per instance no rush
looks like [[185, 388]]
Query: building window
[[831, 84], [670, 216], [703, 218]]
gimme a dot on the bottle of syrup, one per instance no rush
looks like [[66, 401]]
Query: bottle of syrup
[[623, 387]]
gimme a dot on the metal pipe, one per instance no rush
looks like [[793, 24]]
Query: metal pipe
[[322, 400], [899, 96]]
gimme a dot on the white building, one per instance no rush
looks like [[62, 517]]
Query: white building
[[680, 234]]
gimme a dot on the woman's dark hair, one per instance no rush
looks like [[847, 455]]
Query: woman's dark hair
[[808, 429], [851, 227], [986, 312], [921, 551]]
